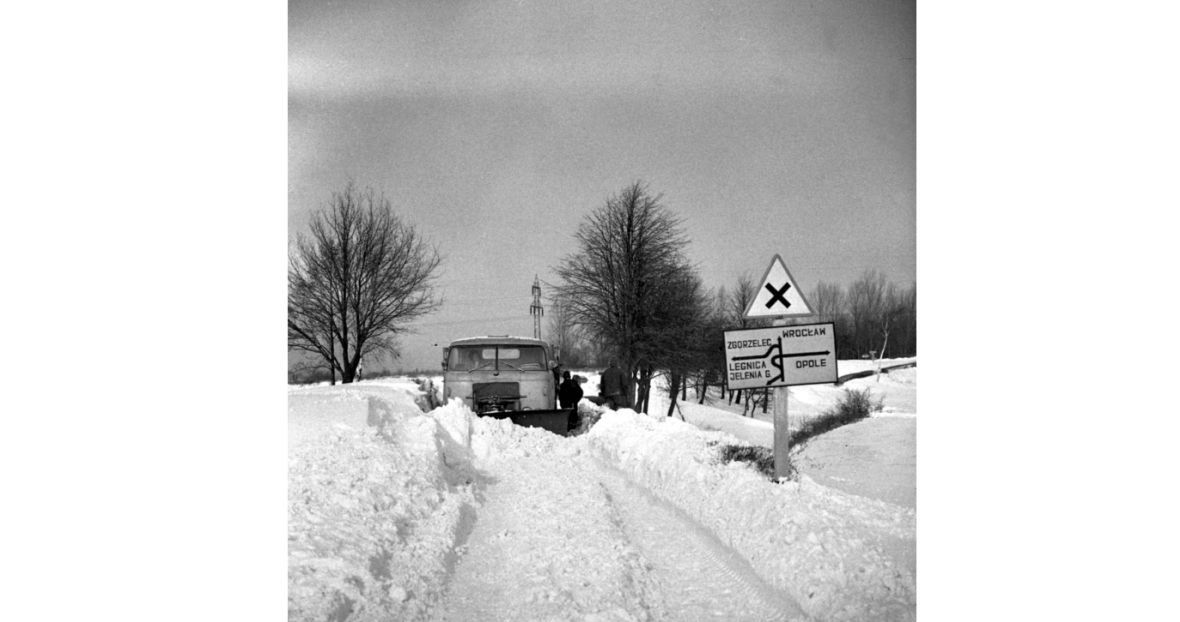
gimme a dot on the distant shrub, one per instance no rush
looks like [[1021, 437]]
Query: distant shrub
[[409, 373], [761, 458], [853, 406], [310, 376], [322, 374]]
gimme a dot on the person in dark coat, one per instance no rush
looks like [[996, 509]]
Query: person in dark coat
[[614, 386], [569, 394]]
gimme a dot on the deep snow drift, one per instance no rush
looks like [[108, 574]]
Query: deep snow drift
[[391, 508]]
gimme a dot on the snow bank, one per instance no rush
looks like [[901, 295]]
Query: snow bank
[[379, 493], [376, 498], [840, 556], [314, 410]]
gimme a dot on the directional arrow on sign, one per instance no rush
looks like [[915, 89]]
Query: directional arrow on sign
[[776, 360], [771, 348], [820, 353], [778, 295]]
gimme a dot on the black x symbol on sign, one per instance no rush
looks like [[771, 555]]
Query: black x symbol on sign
[[776, 295]]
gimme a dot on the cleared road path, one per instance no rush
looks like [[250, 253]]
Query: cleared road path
[[564, 537]]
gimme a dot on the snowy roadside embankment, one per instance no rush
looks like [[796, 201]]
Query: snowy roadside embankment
[[374, 506], [840, 556], [379, 495]]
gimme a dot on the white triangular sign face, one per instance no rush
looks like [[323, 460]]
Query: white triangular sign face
[[777, 294]]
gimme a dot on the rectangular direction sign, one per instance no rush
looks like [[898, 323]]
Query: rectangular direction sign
[[782, 356]]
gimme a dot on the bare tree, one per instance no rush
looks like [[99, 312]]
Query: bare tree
[[897, 319], [827, 302], [866, 308], [681, 336], [906, 321], [712, 365], [886, 320], [629, 285], [356, 281], [565, 336], [740, 299]]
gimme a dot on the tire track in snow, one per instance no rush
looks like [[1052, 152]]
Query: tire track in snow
[[568, 537], [700, 578], [545, 547]]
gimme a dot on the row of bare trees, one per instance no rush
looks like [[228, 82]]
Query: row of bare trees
[[874, 318], [630, 293]]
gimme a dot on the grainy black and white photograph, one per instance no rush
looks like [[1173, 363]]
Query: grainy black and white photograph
[[595, 310], [601, 311]]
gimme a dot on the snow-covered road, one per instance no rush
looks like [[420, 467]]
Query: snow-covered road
[[699, 577], [527, 558], [397, 513]]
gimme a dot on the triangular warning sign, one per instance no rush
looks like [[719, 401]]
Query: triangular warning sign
[[777, 294]]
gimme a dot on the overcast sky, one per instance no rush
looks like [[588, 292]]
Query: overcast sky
[[495, 127]]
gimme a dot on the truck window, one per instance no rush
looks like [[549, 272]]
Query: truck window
[[503, 358]]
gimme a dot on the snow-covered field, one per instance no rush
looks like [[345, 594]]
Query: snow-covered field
[[396, 513], [876, 458]]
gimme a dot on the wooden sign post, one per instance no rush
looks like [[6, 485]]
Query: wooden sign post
[[782, 433]]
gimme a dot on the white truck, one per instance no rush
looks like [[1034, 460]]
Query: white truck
[[505, 377]]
